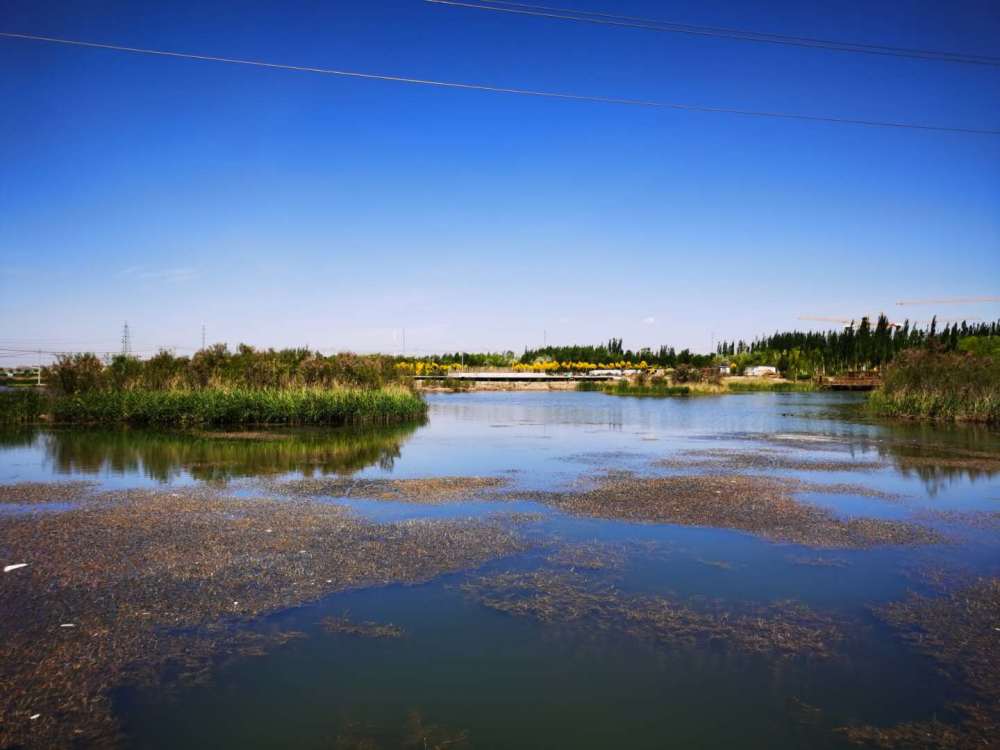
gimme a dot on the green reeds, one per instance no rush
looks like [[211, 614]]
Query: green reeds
[[624, 388], [240, 406], [765, 387], [22, 406], [940, 386]]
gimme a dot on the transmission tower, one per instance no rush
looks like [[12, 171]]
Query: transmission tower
[[126, 341]]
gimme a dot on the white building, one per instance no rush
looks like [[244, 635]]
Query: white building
[[761, 371]]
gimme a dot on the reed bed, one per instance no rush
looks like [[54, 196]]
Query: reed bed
[[240, 406], [769, 386], [940, 386], [22, 406]]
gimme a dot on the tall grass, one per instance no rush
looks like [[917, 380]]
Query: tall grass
[[770, 387], [935, 385], [625, 388], [22, 406], [214, 407]]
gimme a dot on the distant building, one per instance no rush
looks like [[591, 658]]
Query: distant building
[[761, 371], [724, 368]]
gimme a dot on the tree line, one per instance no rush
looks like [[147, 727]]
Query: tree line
[[861, 348]]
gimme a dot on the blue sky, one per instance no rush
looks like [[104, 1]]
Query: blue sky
[[284, 208]]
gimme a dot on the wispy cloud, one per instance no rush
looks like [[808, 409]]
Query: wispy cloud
[[649, 321], [159, 274]]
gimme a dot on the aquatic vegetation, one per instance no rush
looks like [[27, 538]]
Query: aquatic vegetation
[[765, 460], [415, 734], [216, 367], [365, 629], [141, 579], [426, 491], [818, 562], [587, 556], [769, 386], [625, 388], [930, 384], [22, 406], [765, 506], [33, 493], [958, 631], [780, 628], [218, 407]]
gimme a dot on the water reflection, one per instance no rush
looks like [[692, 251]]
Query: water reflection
[[164, 456], [940, 455]]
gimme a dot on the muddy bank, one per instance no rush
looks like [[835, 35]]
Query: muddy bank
[[128, 583]]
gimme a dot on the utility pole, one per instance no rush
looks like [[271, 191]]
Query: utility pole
[[203, 337], [126, 343], [404, 342], [39, 368]]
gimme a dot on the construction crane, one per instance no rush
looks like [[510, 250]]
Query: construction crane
[[949, 301], [845, 321]]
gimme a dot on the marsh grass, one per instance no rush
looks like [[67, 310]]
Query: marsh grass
[[22, 406], [661, 387], [940, 386], [769, 386], [240, 406]]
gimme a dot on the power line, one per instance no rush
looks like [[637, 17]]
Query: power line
[[608, 19], [652, 104]]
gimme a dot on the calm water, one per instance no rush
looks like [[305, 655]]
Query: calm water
[[516, 681]]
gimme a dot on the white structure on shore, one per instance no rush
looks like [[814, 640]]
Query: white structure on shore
[[761, 371]]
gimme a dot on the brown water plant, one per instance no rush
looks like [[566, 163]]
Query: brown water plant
[[780, 628], [36, 493], [764, 506], [127, 583], [763, 460], [960, 632], [427, 491], [344, 625]]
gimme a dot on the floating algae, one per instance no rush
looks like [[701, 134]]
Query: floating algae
[[765, 506], [155, 580], [960, 632], [781, 628], [429, 491]]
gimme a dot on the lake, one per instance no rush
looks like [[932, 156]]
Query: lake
[[523, 570]]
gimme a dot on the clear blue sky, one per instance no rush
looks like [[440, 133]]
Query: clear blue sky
[[285, 208]]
